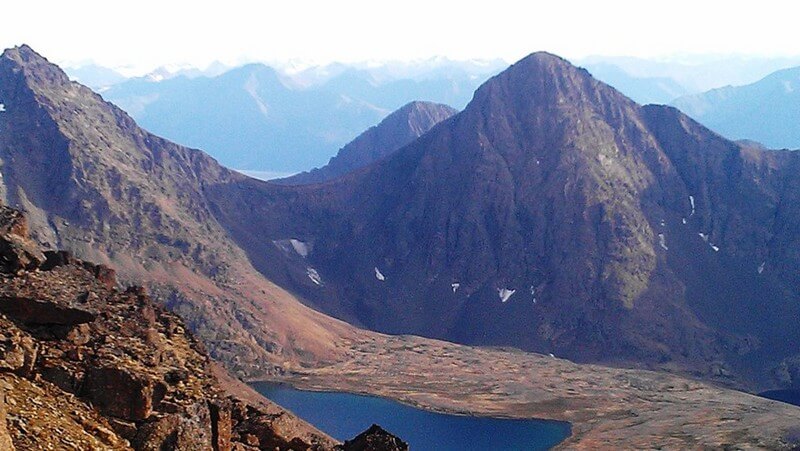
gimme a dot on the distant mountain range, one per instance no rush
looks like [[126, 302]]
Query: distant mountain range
[[254, 118], [262, 121], [767, 111], [696, 73], [644, 90]]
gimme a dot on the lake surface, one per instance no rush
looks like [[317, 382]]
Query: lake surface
[[344, 415]]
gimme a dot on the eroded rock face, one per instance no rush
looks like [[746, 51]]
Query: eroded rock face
[[116, 371]]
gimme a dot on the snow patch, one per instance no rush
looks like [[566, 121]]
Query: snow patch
[[293, 246], [703, 236], [314, 275], [551, 355], [379, 275], [455, 286], [300, 247], [691, 201], [787, 86], [2, 107], [662, 241], [663, 223], [684, 221], [505, 293], [716, 249], [761, 267]]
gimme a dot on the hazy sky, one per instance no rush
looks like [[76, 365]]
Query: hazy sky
[[148, 33]]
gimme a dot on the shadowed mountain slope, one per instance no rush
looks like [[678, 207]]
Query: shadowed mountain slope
[[93, 182], [556, 215]]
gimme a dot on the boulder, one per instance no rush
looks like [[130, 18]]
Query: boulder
[[374, 439], [17, 253], [39, 312], [54, 259], [187, 431], [118, 392], [18, 352]]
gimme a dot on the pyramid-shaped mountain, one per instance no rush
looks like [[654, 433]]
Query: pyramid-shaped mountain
[[395, 131], [553, 214]]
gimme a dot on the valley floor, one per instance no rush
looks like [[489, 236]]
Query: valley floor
[[608, 408]]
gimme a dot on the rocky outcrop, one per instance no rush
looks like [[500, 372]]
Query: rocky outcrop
[[374, 439], [5, 437], [108, 369], [17, 253]]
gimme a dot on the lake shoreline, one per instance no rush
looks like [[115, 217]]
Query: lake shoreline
[[292, 383], [341, 413]]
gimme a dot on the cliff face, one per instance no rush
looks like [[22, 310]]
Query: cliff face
[[84, 365]]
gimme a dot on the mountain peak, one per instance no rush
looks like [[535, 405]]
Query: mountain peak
[[31, 63], [544, 77], [542, 58], [396, 130], [24, 54]]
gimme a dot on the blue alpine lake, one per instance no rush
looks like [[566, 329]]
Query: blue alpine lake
[[345, 415]]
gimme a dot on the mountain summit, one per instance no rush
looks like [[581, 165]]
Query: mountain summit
[[395, 131], [554, 214]]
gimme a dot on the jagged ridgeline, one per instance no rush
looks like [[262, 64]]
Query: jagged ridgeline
[[84, 365], [93, 182]]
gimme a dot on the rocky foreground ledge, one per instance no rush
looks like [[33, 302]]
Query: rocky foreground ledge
[[84, 365]]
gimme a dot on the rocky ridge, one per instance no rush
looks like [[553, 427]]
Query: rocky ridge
[[91, 181], [84, 365]]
